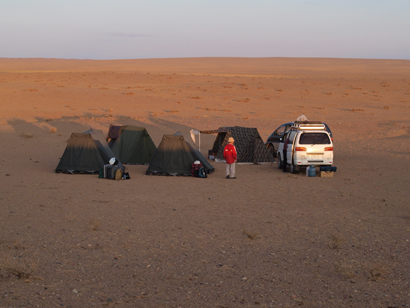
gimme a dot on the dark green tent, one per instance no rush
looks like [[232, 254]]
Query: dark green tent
[[85, 153], [133, 145], [175, 156], [249, 144]]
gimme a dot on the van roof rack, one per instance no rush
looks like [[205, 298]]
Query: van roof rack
[[309, 125], [308, 122]]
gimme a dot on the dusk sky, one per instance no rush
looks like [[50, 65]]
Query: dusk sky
[[132, 29]]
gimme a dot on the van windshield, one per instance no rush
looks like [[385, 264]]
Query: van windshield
[[314, 138]]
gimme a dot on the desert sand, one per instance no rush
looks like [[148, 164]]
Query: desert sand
[[266, 239]]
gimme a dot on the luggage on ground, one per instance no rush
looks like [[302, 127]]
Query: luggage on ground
[[195, 168]]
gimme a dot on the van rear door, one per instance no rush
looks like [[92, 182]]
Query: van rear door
[[289, 149]]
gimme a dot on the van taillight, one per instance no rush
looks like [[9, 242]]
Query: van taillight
[[328, 148], [300, 149]]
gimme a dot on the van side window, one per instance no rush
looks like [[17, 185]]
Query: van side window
[[280, 130]]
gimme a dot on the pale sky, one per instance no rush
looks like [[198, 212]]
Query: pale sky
[[132, 29]]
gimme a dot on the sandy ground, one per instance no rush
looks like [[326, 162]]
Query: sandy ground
[[266, 239]]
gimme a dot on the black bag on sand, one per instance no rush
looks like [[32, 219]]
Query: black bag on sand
[[328, 168], [202, 173]]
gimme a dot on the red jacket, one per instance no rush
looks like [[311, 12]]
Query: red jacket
[[230, 153]]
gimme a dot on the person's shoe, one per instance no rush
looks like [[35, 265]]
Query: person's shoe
[[233, 178], [227, 177]]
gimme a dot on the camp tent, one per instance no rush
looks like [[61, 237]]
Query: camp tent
[[248, 143], [131, 144], [85, 153], [175, 156]]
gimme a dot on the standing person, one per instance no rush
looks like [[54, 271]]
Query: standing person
[[230, 157]]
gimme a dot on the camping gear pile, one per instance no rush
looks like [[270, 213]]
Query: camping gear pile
[[111, 171], [197, 170]]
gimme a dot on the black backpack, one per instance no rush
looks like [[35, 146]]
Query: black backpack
[[202, 173]]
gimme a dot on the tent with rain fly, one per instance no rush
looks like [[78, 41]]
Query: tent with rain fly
[[248, 143], [131, 144], [85, 153], [175, 156]]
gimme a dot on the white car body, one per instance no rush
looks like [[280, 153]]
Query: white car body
[[309, 144]]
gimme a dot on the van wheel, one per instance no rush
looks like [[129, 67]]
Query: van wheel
[[280, 163], [271, 149], [294, 169]]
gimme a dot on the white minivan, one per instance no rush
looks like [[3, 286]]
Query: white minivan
[[309, 144]]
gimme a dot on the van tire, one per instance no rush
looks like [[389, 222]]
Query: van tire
[[294, 169], [280, 162]]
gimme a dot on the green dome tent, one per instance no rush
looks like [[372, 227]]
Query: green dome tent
[[175, 156], [133, 145], [85, 153]]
